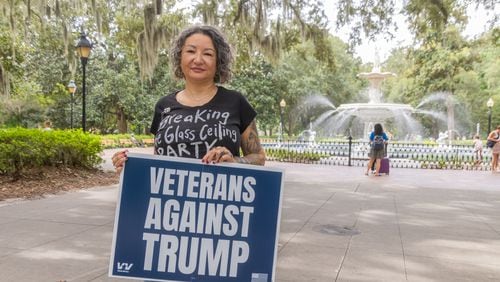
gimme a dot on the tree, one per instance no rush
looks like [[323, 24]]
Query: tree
[[372, 18], [258, 82], [283, 49], [267, 27], [485, 74]]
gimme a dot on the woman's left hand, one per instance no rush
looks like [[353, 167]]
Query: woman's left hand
[[218, 155]]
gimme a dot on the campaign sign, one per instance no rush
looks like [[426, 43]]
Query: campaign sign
[[181, 220]]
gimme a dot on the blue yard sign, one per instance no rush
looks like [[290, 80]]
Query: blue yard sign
[[181, 220]]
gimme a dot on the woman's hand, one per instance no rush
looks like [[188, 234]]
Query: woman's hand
[[253, 153], [218, 155], [119, 158]]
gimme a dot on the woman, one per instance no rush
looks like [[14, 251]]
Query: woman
[[204, 120], [378, 139], [494, 137]]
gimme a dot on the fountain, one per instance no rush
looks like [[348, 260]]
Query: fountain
[[357, 119], [360, 117], [367, 114]]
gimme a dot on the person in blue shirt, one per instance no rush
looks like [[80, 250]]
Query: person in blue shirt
[[378, 140]]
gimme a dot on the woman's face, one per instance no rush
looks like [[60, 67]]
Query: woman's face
[[198, 58]]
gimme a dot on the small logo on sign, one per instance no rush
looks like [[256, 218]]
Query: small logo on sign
[[259, 277], [124, 267]]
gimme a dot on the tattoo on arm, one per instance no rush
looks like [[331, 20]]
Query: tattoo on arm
[[250, 145]]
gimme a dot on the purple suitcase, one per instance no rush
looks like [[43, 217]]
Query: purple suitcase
[[384, 166]]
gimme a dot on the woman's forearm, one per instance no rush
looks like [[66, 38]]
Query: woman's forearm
[[253, 153]]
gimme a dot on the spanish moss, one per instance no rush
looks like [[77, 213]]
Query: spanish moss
[[150, 41]]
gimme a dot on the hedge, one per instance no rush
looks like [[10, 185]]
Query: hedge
[[22, 149], [292, 156]]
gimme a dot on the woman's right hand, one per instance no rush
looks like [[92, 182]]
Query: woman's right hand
[[119, 158]]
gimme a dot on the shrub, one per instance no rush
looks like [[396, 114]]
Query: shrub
[[22, 149], [292, 156]]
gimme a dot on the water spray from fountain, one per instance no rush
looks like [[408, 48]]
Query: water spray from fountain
[[335, 121]]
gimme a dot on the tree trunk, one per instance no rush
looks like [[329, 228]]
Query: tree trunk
[[4, 82], [121, 119]]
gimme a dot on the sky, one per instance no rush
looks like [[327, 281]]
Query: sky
[[366, 51]]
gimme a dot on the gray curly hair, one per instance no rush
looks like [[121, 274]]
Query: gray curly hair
[[222, 48]]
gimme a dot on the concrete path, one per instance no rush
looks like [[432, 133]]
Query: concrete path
[[337, 225]]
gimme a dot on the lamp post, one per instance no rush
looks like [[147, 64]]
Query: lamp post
[[350, 147], [83, 47], [72, 90], [282, 109], [490, 104]]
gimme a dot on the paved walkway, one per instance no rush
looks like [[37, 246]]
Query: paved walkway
[[337, 225]]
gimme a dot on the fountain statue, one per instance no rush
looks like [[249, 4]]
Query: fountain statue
[[443, 136], [375, 78], [308, 135]]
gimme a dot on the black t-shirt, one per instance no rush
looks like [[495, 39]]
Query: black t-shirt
[[189, 132]]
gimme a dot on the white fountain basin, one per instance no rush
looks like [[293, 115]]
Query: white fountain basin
[[376, 111]]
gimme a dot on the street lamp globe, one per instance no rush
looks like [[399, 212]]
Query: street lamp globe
[[83, 48], [490, 103], [72, 87], [283, 103]]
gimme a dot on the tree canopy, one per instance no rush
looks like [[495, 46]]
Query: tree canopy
[[284, 51]]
